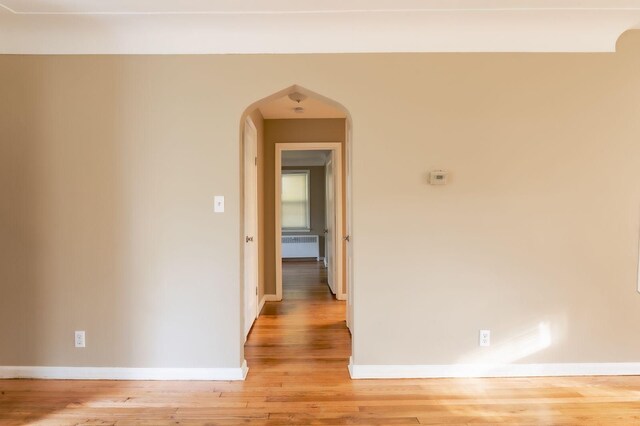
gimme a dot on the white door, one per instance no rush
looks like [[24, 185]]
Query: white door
[[250, 226], [330, 218], [349, 245]]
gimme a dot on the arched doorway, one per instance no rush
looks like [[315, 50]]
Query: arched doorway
[[294, 129]]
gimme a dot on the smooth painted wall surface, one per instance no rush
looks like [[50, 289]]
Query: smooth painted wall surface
[[109, 165], [288, 131], [109, 169], [317, 202]]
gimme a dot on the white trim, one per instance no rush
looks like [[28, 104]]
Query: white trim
[[331, 290], [304, 162], [261, 304], [341, 295], [348, 179], [116, 373], [638, 267], [255, 224], [272, 298], [408, 26], [296, 8], [492, 370], [336, 147]]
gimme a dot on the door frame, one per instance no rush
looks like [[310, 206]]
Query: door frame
[[249, 122], [331, 277], [336, 148]]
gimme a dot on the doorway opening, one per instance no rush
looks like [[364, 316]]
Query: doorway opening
[[309, 210], [296, 216]]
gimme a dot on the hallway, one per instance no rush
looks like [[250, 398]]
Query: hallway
[[305, 332]]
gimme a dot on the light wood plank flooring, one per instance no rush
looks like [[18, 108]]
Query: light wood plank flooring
[[297, 353]]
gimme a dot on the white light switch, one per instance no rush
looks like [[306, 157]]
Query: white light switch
[[218, 204]]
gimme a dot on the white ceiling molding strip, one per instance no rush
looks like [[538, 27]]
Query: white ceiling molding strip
[[225, 26], [294, 6]]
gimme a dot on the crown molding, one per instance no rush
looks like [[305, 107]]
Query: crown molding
[[173, 7], [595, 26]]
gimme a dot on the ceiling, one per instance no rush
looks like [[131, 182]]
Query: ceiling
[[304, 158], [294, 26], [312, 108]]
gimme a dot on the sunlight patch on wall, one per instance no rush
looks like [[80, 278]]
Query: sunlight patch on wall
[[519, 345]]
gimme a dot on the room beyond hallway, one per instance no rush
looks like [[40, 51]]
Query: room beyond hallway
[[304, 332]]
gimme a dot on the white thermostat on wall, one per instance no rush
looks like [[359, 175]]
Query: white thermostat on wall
[[438, 177]]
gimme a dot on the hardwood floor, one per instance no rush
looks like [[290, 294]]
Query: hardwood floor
[[297, 353]]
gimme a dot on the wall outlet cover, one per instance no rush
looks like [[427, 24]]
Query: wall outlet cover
[[485, 338], [80, 341]]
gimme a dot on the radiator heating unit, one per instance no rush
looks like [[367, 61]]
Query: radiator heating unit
[[300, 246]]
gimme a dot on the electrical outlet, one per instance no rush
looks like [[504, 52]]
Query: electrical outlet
[[80, 341], [485, 338]]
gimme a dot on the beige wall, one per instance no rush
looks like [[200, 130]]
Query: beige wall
[[109, 168], [288, 131], [317, 200], [109, 165]]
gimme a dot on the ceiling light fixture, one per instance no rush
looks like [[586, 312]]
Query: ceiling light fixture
[[297, 97]]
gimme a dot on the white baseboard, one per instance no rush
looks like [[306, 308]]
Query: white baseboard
[[116, 373], [493, 370], [271, 298], [262, 302]]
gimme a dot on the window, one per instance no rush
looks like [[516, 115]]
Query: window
[[295, 200]]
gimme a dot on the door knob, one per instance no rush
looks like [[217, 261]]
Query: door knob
[[249, 239]]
